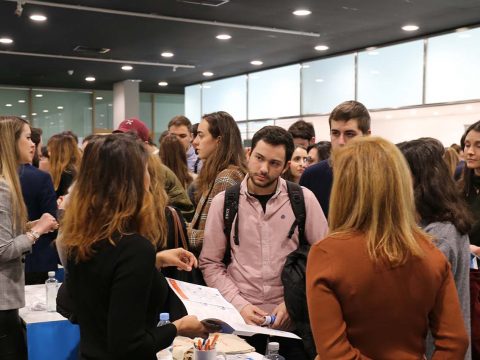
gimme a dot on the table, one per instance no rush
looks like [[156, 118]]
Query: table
[[50, 336]]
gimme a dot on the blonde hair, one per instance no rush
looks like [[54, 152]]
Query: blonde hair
[[10, 130], [64, 156], [372, 194], [452, 159], [109, 198], [160, 198]]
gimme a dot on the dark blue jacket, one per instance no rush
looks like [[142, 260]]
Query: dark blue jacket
[[39, 197], [319, 179]]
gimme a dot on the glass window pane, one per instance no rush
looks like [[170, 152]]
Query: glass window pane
[[57, 111], [103, 111], [391, 76], [145, 109], [326, 83], [166, 107], [453, 73], [228, 95], [14, 102], [193, 103], [274, 93]]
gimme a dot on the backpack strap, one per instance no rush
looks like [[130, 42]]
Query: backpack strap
[[297, 201], [230, 209]]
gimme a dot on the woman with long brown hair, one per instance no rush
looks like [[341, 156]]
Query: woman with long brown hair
[[110, 235], [377, 283], [172, 153], [219, 145], [64, 161], [16, 235]]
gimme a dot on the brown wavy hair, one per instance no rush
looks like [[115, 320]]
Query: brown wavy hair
[[379, 205], [64, 156], [10, 130], [109, 198], [221, 125], [159, 195], [172, 153]]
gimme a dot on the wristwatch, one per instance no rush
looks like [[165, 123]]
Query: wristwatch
[[34, 235]]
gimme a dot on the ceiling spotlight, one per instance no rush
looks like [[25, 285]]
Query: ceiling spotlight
[[223, 37], [410, 28], [5, 40], [45, 111], [34, 114], [21, 101], [319, 80], [256, 62], [39, 95], [8, 105], [127, 67], [23, 116], [99, 98], [321, 47], [89, 78], [162, 83], [38, 17], [60, 107], [302, 12], [167, 54], [207, 73]]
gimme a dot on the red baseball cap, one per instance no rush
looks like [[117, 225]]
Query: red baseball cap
[[136, 126]]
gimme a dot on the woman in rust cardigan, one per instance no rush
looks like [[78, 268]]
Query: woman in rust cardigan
[[377, 283]]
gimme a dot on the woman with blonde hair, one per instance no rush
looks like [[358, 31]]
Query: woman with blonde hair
[[377, 283], [172, 153], [219, 145], [64, 161], [16, 235], [451, 158], [110, 235]]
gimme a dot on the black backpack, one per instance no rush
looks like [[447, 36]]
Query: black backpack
[[293, 274]]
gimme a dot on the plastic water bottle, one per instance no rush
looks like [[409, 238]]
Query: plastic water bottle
[[165, 354], [51, 285], [272, 351], [164, 319]]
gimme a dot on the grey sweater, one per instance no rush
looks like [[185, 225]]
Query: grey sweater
[[456, 249]]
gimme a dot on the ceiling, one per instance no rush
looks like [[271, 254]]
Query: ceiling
[[133, 35]]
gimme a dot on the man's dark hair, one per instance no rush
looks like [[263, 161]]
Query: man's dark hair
[[324, 148], [350, 110], [90, 138], [275, 135], [302, 129], [195, 130], [36, 137], [180, 120]]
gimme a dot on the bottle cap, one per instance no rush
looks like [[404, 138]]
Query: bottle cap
[[164, 317], [51, 273], [273, 346]]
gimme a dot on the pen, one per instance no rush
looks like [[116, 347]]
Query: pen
[[215, 338]]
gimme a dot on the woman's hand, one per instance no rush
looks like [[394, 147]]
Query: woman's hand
[[191, 327], [181, 258], [47, 223]]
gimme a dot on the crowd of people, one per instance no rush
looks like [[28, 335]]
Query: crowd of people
[[390, 231]]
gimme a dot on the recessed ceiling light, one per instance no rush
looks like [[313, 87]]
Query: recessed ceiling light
[[5, 40], [21, 101], [99, 98], [321, 47], [410, 28], [38, 17], [319, 80], [302, 12], [34, 114], [8, 105], [305, 66], [60, 107], [23, 116], [39, 95], [109, 104], [223, 37], [45, 111], [208, 73], [372, 52], [89, 78], [256, 62], [162, 83], [167, 54], [127, 67]]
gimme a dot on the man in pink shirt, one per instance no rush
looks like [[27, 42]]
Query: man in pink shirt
[[252, 280]]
